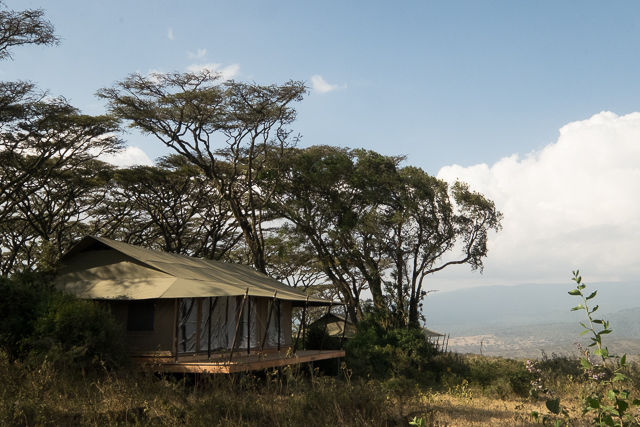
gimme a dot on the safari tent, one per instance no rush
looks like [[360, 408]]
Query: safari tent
[[336, 325], [184, 314]]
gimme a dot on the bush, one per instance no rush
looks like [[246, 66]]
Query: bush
[[78, 334], [500, 376], [25, 297], [382, 353]]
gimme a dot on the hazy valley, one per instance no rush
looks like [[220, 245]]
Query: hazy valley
[[522, 320]]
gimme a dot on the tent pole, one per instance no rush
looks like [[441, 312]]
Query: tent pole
[[304, 318], [198, 325], [226, 322], [248, 326], [176, 327], [304, 325], [344, 328], [211, 305], [235, 335], [266, 331], [279, 324], [326, 322]]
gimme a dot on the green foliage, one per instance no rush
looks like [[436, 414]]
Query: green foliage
[[611, 404], [78, 334], [374, 225], [25, 297], [381, 353], [39, 323], [18, 28], [499, 377]]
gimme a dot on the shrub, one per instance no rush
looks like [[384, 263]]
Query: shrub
[[25, 297], [78, 334], [382, 353], [500, 376]]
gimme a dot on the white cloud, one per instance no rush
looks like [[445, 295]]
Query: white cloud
[[130, 156], [201, 53], [170, 33], [227, 72], [573, 205], [321, 86]]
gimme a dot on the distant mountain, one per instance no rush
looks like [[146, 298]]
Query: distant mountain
[[519, 321]]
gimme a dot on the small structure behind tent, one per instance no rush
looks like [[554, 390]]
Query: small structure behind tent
[[439, 341], [336, 325]]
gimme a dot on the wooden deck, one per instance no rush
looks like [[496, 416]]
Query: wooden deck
[[241, 362]]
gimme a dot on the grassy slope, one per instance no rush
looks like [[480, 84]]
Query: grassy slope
[[46, 396]]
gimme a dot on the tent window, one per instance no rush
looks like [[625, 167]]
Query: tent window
[[141, 315]]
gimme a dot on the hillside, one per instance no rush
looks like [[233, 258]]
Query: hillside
[[520, 321]]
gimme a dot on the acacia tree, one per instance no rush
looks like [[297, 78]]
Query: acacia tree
[[55, 214], [44, 141], [373, 225], [323, 197], [426, 220], [170, 207], [18, 28], [236, 133]]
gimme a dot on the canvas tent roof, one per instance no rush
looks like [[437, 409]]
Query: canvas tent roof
[[335, 325], [432, 334], [99, 268]]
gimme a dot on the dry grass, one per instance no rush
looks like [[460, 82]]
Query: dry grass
[[446, 410], [43, 396]]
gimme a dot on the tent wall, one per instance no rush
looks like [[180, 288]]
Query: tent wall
[[193, 323], [158, 339]]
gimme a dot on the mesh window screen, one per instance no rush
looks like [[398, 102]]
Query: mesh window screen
[[188, 314], [277, 320]]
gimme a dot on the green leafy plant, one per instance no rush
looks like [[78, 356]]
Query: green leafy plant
[[77, 334], [611, 405]]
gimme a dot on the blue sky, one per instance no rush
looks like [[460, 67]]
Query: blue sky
[[461, 83]]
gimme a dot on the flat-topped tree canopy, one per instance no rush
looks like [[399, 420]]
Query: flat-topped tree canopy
[[100, 268]]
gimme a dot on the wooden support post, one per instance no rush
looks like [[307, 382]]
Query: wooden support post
[[198, 325], [212, 305], [304, 325], [226, 322], [279, 305], [248, 326], [326, 322], [304, 320], [176, 328], [266, 331], [235, 335], [344, 328]]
